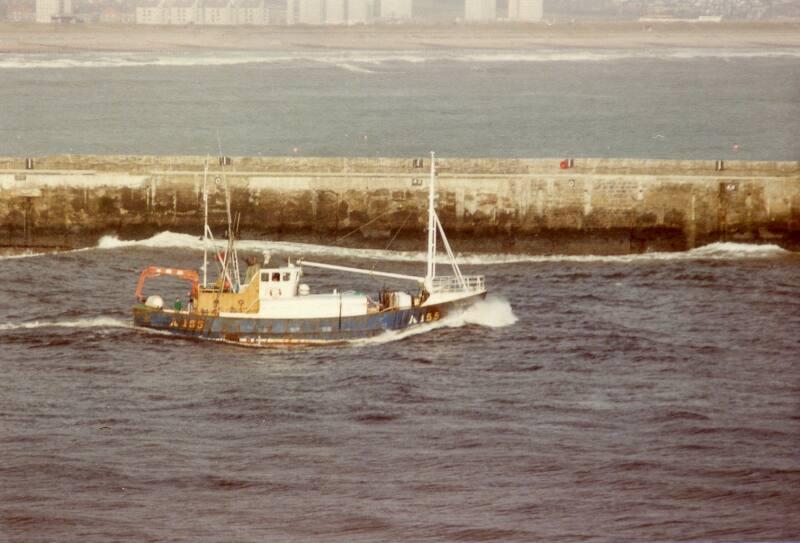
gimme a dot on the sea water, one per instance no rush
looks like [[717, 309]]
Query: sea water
[[662, 103], [617, 398]]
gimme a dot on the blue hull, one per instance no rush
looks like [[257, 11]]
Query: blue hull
[[267, 332]]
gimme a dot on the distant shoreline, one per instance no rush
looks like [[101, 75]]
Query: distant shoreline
[[29, 38]]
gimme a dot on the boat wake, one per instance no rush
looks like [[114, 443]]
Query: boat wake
[[714, 251], [32, 254], [493, 312], [96, 322]]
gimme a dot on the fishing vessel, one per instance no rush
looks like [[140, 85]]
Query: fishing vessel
[[271, 306]]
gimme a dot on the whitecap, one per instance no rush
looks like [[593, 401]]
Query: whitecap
[[31, 254], [355, 60], [718, 251], [95, 322]]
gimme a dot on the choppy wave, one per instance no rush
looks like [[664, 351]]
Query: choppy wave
[[97, 322], [361, 61], [714, 251]]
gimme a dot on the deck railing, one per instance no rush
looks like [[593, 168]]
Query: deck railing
[[450, 283]]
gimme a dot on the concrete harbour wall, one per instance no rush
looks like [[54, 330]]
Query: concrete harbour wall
[[597, 206]]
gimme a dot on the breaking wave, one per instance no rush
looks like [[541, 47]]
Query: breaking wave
[[737, 250], [351, 67], [714, 251], [97, 322], [172, 240], [360, 61], [25, 254]]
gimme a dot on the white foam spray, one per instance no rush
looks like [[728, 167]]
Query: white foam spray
[[162, 240], [724, 250], [493, 312]]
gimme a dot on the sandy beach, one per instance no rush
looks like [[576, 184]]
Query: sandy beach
[[32, 38]]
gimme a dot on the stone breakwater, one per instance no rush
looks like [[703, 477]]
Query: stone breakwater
[[544, 206]]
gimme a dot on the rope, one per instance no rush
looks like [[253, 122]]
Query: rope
[[399, 230], [360, 227], [392, 241]]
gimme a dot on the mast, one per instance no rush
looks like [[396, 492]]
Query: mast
[[431, 273], [230, 263], [205, 223], [451, 256]]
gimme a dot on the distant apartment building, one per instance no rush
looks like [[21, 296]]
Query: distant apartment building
[[358, 12], [150, 12], [20, 12], [331, 12], [398, 10], [311, 12], [251, 12], [480, 10], [182, 12], [335, 12], [292, 12], [113, 14], [209, 12], [217, 12], [49, 10], [525, 10], [727, 9]]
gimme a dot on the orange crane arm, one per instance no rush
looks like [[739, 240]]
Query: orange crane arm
[[157, 271]]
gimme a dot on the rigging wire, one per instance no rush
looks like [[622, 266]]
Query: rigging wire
[[399, 230], [336, 242], [410, 213]]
